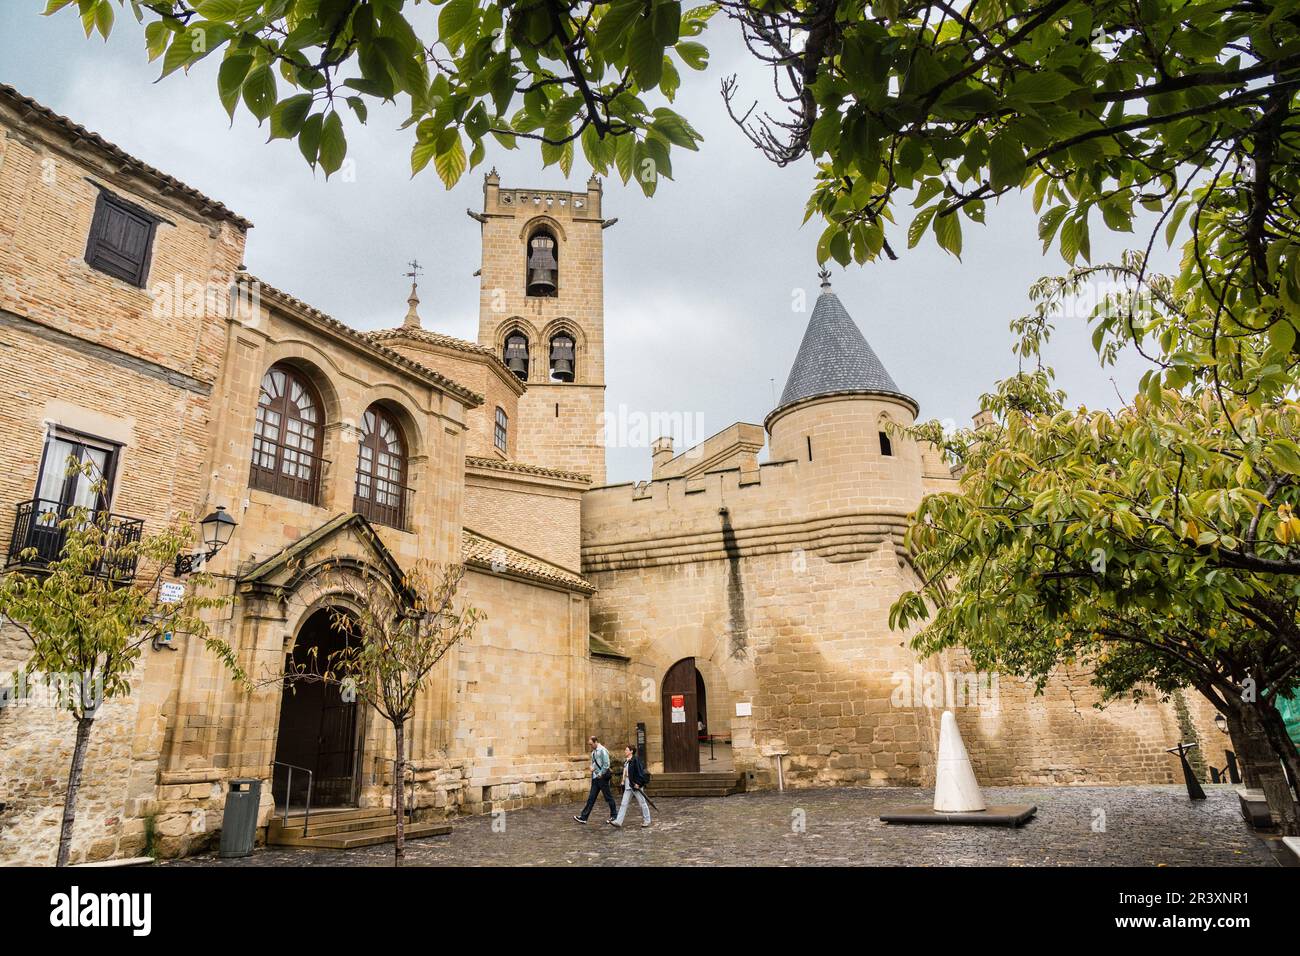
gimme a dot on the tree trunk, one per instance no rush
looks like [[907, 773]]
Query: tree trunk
[[1267, 755], [1244, 748], [74, 784], [399, 789]]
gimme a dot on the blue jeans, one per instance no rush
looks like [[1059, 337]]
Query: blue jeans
[[628, 793]]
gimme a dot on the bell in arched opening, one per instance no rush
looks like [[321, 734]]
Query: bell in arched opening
[[543, 269], [516, 354], [562, 358]]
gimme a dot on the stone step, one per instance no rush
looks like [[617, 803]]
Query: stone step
[[352, 839], [333, 814], [330, 824], [695, 784]]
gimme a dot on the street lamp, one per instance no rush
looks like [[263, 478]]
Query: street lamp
[[217, 529]]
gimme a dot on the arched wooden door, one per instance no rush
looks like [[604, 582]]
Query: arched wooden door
[[680, 710]]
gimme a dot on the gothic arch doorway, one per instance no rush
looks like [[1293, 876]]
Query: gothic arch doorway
[[319, 729], [683, 710]]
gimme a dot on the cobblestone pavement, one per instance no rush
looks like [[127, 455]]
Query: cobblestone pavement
[[1140, 826]]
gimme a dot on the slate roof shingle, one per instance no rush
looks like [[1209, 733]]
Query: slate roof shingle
[[834, 357]]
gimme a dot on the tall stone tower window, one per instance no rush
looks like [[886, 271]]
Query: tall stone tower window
[[516, 354], [502, 430], [886, 447], [543, 266], [381, 470], [286, 436], [562, 358]]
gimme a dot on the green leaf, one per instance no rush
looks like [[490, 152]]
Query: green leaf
[[259, 91], [1006, 162], [333, 144], [645, 56], [288, 116], [230, 78], [947, 230], [309, 138], [1041, 87], [693, 54], [450, 162]]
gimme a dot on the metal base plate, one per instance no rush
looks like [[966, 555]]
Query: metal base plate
[[1009, 815]]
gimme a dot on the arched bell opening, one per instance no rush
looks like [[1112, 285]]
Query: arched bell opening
[[543, 266]]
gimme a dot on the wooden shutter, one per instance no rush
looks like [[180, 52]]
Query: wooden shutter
[[121, 240]]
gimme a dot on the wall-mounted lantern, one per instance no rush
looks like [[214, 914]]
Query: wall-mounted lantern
[[217, 528]]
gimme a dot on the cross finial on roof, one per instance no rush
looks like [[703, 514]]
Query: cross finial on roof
[[825, 276]]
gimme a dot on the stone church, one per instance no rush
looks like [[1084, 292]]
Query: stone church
[[729, 614]]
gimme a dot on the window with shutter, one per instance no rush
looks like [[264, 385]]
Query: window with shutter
[[121, 239]]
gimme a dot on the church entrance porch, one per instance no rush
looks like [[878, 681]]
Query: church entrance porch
[[319, 737]]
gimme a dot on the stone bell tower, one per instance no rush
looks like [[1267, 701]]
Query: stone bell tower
[[542, 309]]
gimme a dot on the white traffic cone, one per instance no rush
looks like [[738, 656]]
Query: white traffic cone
[[955, 789]]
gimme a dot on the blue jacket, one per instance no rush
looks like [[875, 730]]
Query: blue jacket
[[599, 762]]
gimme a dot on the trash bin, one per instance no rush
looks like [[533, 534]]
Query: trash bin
[[239, 822]]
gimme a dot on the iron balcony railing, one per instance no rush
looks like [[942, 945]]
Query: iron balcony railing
[[41, 530], [382, 502], [286, 470]]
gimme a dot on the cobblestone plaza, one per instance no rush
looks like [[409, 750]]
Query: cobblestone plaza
[[1075, 826]]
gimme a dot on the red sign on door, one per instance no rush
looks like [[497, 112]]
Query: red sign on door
[[679, 708]]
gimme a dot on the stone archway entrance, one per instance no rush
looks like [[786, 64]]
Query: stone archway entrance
[[682, 708], [319, 730]]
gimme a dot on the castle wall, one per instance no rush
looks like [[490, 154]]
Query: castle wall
[[781, 583]]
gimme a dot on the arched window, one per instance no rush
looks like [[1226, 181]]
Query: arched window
[[886, 447], [502, 430], [543, 266], [516, 354], [562, 358], [287, 436], [381, 470]]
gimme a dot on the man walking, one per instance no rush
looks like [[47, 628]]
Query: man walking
[[634, 781], [600, 778]]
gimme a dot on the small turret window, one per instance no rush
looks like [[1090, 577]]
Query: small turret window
[[886, 447], [562, 358], [502, 429], [516, 354], [543, 267]]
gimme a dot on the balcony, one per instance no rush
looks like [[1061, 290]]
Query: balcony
[[381, 502], [41, 531]]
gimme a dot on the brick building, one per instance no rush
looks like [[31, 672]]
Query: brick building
[[736, 609]]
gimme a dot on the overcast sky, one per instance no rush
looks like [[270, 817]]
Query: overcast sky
[[699, 280]]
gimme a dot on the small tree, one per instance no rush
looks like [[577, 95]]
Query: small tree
[[88, 613], [397, 633]]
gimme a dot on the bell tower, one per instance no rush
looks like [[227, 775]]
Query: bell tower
[[542, 310]]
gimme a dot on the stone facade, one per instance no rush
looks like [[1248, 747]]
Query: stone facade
[[774, 576]]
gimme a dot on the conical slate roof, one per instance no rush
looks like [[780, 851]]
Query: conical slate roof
[[834, 357]]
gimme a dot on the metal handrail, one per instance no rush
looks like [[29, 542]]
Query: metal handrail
[[394, 516], [288, 792], [275, 479], [41, 528]]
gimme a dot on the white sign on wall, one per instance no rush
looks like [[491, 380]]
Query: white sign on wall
[[744, 708], [171, 592]]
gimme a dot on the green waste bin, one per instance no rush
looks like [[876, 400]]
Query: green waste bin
[[239, 822]]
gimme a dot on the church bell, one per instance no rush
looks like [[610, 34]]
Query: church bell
[[517, 356], [562, 358], [542, 267]]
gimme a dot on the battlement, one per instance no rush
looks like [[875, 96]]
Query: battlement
[[532, 201]]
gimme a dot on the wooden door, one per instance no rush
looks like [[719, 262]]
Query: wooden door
[[681, 744]]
